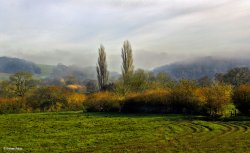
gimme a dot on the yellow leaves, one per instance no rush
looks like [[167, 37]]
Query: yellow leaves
[[159, 95], [75, 98], [217, 97], [75, 101], [200, 94], [104, 101], [106, 96]]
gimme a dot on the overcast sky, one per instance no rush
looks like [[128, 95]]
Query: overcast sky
[[160, 31]]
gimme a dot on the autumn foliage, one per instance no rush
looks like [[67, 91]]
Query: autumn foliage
[[10, 105], [104, 102], [75, 101], [184, 98], [151, 101]]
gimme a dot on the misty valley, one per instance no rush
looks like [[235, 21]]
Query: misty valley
[[125, 76]]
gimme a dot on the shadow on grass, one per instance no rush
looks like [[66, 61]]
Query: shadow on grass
[[170, 117]]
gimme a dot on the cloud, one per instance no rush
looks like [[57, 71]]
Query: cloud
[[71, 31]]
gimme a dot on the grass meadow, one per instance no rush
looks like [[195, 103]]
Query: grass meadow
[[103, 132]]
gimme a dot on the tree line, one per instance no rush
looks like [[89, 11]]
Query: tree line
[[135, 91]]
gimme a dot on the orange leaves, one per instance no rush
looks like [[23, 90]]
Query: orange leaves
[[9, 105], [75, 88], [8, 100]]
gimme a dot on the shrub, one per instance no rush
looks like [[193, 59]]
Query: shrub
[[10, 105], [218, 97], [150, 101], [186, 97], [47, 99], [75, 101], [103, 102], [241, 99]]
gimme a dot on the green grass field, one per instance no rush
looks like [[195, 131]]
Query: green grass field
[[101, 132]]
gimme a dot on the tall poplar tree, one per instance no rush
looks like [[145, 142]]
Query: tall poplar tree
[[127, 62], [102, 69]]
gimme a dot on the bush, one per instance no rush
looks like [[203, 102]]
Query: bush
[[10, 105], [186, 97], [241, 99], [218, 97], [47, 99], [103, 102], [75, 101], [149, 101]]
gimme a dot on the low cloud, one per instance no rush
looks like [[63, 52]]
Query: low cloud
[[162, 31]]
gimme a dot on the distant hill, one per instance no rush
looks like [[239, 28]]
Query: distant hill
[[12, 65], [197, 68]]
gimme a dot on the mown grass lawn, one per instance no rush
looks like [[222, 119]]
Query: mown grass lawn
[[102, 132]]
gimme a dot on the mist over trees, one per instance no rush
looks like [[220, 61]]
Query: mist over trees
[[201, 67], [135, 90], [14, 65]]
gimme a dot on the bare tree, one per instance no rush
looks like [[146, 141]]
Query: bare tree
[[102, 69], [22, 82], [127, 62]]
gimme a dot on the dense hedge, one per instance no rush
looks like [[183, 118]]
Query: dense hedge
[[10, 105], [185, 97], [104, 102], [150, 101], [43, 99], [241, 99]]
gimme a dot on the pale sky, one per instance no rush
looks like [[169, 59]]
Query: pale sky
[[160, 31]]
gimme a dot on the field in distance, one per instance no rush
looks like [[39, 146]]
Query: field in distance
[[102, 132]]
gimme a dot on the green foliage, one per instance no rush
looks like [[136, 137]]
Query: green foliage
[[47, 99], [138, 81], [6, 89]]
